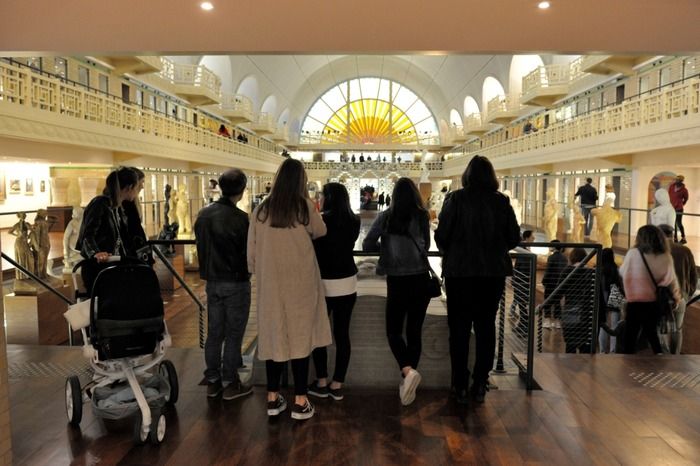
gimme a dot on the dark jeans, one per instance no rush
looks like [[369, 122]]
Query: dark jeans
[[340, 308], [300, 371], [406, 301], [644, 317], [679, 225], [586, 211], [228, 306], [472, 301], [554, 307]]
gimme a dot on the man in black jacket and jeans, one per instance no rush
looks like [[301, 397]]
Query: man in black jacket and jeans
[[221, 231], [589, 197]]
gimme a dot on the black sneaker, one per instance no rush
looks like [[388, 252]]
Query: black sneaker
[[275, 408], [302, 412], [684, 241], [214, 388], [462, 396], [336, 394], [236, 390], [318, 392]]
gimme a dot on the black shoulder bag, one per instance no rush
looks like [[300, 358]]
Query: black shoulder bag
[[664, 296], [434, 285]]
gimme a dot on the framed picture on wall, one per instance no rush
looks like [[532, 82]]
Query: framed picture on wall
[[42, 186], [15, 186], [29, 187], [2, 186]]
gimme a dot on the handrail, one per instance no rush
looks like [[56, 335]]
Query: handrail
[[36, 278]]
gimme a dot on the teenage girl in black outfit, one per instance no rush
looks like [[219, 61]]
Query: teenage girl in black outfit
[[339, 274]]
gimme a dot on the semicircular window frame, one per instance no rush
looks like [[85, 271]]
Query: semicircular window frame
[[369, 111]]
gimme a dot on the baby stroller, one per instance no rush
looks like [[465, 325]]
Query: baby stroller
[[126, 346]]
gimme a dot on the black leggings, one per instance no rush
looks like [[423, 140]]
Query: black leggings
[[679, 225], [644, 317], [300, 370], [406, 301], [340, 307]]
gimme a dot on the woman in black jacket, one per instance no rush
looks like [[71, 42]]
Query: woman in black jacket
[[104, 229], [404, 230], [339, 275], [477, 228]]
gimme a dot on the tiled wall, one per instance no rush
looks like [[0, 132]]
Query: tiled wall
[[5, 447]]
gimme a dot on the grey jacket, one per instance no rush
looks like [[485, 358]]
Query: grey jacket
[[398, 254]]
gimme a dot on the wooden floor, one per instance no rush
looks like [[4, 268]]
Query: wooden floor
[[591, 410]]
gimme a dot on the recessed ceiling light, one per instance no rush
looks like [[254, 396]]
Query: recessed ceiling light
[[543, 5], [206, 6]]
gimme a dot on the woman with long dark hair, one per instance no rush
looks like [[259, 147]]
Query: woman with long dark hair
[[477, 228], [104, 230], [404, 233], [292, 317], [612, 299], [339, 275], [647, 265]]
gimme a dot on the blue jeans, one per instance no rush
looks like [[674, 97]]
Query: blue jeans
[[228, 306], [586, 212]]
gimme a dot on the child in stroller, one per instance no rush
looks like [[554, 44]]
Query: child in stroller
[[126, 346]]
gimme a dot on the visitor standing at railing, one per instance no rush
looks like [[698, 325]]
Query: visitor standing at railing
[[221, 230], [556, 262], [292, 315], [476, 229], [104, 224], [339, 275], [613, 300], [679, 196], [589, 197], [643, 312], [686, 273], [403, 232]]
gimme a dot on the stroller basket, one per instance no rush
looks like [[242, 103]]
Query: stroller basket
[[118, 401]]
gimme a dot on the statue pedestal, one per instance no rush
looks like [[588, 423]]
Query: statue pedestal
[[37, 319], [166, 279]]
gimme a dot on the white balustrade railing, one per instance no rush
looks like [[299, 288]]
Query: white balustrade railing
[[679, 101], [265, 119], [473, 121], [503, 104], [21, 86], [374, 165], [190, 75], [546, 76], [236, 102]]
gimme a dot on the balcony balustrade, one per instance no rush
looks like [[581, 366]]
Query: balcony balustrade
[[281, 135], [396, 167], [546, 84], [134, 65], [236, 108], [503, 109], [458, 135], [194, 83], [264, 124], [612, 64], [475, 125]]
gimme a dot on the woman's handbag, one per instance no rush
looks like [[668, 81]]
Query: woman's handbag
[[434, 285], [664, 296], [616, 300]]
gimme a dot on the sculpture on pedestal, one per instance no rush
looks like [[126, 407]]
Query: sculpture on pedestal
[[578, 222], [23, 252], [166, 204], [550, 215], [606, 217], [71, 256], [41, 242], [517, 208], [182, 210]]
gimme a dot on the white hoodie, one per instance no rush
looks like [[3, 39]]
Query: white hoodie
[[664, 213]]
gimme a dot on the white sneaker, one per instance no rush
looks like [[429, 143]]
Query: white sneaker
[[408, 386]]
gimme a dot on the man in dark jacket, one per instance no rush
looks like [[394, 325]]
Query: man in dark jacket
[[556, 262], [679, 196], [589, 197], [221, 231]]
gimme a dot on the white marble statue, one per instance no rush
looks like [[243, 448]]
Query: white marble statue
[[71, 256], [424, 174], [182, 210], [517, 208]]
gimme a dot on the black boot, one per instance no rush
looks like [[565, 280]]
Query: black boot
[[478, 391]]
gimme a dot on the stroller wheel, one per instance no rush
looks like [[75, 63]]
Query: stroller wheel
[[140, 436], [167, 370], [157, 433], [74, 401]]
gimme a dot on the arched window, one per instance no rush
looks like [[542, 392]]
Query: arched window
[[455, 118], [470, 106], [369, 111]]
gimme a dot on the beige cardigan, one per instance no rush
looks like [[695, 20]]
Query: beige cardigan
[[292, 316]]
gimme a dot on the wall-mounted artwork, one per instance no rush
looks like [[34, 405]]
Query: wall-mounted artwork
[[29, 186], [2, 186], [42, 186], [15, 186]]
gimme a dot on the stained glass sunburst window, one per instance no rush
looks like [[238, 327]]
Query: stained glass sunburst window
[[369, 111]]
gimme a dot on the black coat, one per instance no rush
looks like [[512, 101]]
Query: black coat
[[556, 263], [334, 250], [475, 233], [102, 229]]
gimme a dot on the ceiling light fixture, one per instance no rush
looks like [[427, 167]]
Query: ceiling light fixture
[[543, 5], [206, 6]]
